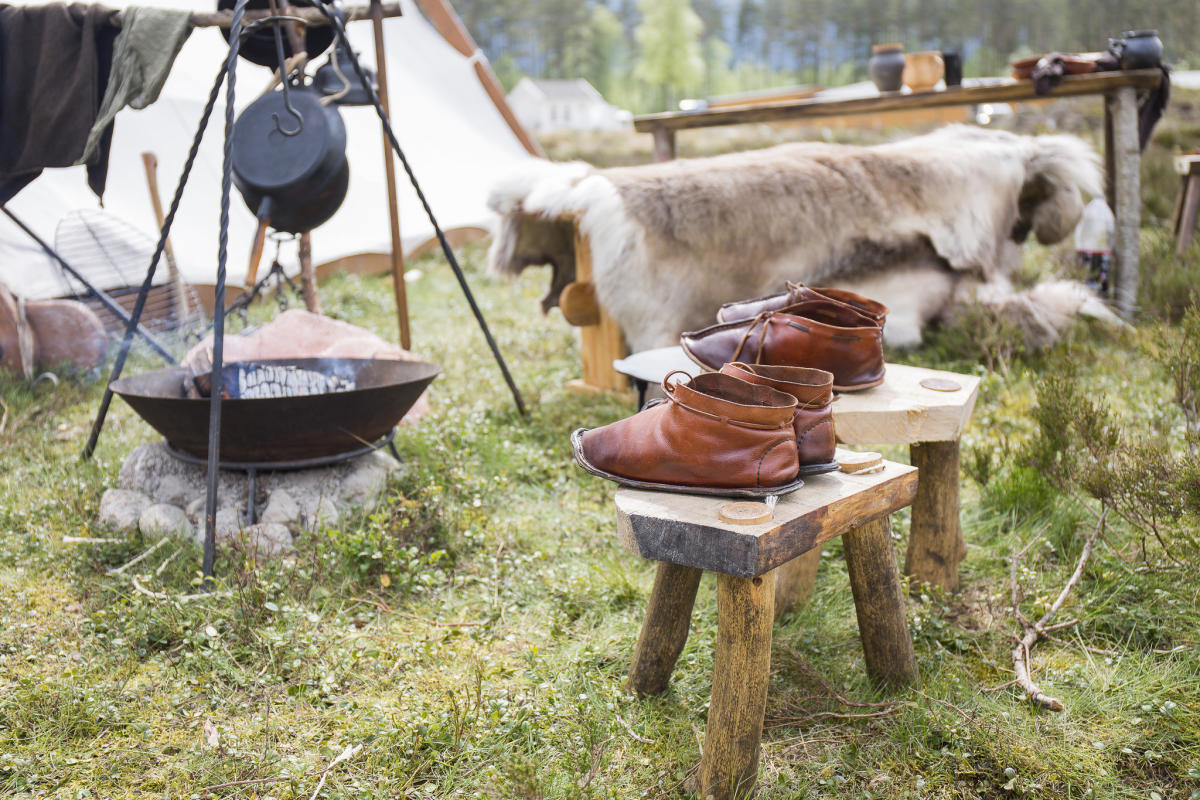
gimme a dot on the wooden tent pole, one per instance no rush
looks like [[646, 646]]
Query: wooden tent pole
[[389, 166], [182, 309], [309, 16], [451, 27]]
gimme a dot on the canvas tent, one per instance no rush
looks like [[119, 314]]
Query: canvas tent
[[452, 132]]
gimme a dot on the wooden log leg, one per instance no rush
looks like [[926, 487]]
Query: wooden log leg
[[308, 276], [665, 629], [664, 144], [935, 543], [879, 603], [794, 581], [1187, 214], [1127, 165], [741, 669]]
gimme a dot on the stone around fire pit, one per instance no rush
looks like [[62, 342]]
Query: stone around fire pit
[[160, 494]]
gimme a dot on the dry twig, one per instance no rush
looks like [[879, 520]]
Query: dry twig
[[1035, 630], [349, 752], [146, 554]]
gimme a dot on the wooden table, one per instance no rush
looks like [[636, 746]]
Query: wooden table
[[1122, 151], [686, 536], [899, 411]]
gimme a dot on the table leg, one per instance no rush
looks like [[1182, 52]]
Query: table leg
[[665, 629], [794, 581], [879, 603], [741, 669], [664, 144], [935, 542], [1126, 161], [1190, 209]]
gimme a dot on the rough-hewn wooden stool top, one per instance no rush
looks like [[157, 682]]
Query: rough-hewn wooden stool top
[[911, 405], [687, 530]]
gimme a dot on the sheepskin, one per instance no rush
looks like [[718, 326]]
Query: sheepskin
[[925, 225]]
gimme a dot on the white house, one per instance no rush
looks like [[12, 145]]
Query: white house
[[546, 105]]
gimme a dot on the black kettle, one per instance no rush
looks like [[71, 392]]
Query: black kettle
[[289, 163], [330, 83]]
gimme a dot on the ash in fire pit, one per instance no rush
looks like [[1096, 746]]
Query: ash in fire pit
[[254, 381]]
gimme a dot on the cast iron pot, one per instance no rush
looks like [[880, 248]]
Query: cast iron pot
[[259, 47], [296, 182], [1137, 49], [328, 82]]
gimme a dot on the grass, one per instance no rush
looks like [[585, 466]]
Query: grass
[[472, 633]]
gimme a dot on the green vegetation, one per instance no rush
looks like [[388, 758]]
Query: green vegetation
[[472, 633], [756, 44]]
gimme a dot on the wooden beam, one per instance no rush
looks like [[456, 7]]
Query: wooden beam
[[399, 288], [1012, 92], [310, 16]]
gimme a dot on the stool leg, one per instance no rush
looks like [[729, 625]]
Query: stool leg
[[935, 543], [741, 669], [1188, 214], [665, 628], [879, 603], [794, 581]]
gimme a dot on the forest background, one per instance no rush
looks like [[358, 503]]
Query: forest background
[[645, 55]]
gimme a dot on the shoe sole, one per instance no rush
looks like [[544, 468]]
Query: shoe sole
[[856, 388], [709, 491]]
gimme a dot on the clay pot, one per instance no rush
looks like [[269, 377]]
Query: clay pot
[[923, 70], [886, 67]]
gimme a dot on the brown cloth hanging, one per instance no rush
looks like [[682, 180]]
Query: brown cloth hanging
[[54, 66]]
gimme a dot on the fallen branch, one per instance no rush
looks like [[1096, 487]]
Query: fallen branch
[[349, 752], [630, 731], [142, 557], [88, 540], [182, 598], [1035, 630]]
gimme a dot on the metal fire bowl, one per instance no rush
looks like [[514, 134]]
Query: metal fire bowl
[[281, 429]]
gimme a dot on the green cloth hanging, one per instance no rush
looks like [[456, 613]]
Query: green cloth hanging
[[142, 57]]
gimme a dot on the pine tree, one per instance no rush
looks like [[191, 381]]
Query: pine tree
[[670, 60]]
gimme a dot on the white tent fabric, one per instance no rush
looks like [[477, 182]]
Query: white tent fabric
[[451, 132]]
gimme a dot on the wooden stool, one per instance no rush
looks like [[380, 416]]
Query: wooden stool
[[904, 409], [1187, 204], [686, 536]]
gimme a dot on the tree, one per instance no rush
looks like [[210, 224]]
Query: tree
[[669, 55], [601, 50]]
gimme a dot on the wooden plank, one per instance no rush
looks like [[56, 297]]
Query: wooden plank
[[879, 604], [1127, 161], [1011, 92], [902, 411], [686, 529], [1187, 164], [741, 671], [600, 344], [665, 628]]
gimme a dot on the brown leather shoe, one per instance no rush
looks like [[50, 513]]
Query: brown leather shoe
[[822, 334], [797, 293], [714, 434], [813, 422]]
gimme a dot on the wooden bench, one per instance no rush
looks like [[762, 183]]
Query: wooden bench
[[903, 410], [1187, 203], [686, 536]]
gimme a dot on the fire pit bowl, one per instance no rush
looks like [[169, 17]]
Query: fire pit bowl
[[372, 396]]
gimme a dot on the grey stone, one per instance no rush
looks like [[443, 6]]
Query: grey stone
[[175, 490], [268, 539], [364, 484], [122, 508], [281, 509], [162, 519]]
